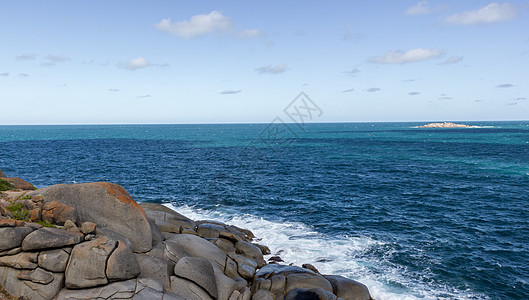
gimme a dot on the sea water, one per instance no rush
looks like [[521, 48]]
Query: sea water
[[414, 213]]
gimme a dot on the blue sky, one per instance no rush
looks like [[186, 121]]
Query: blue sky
[[73, 62]]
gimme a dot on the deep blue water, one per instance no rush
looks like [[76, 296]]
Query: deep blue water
[[412, 212]]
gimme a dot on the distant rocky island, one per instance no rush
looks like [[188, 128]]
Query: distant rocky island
[[93, 241], [446, 125]]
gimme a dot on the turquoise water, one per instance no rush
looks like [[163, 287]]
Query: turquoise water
[[414, 213]]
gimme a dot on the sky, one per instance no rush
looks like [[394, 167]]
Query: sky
[[121, 62]]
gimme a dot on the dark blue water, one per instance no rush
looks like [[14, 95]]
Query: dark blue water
[[414, 213]]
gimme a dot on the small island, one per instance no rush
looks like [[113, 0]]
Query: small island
[[446, 125]]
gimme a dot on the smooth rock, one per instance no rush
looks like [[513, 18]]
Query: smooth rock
[[309, 294], [263, 295], [157, 236], [11, 237], [70, 226], [107, 233], [348, 289], [11, 251], [225, 245], [57, 213], [117, 290], [87, 264], [163, 213], [88, 227], [210, 231], [225, 285], [251, 251], [46, 238], [122, 264], [20, 184], [107, 205], [38, 276], [22, 260], [188, 290], [156, 268], [26, 289], [53, 260], [245, 266], [199, 271], [181, 245]]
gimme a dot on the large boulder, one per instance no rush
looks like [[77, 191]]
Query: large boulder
[[199, 271], [188, 290], [48, 237], [54, 260], [20, 184], [182, 245], [36, 285], [122, 264], [22, 260], [348, 289], [156, 268], [107, 205], [11, 237], [87, 265], [310, 294], [57, 213], [281, 279]]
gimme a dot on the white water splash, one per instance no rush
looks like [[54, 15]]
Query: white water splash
[[298, 244]]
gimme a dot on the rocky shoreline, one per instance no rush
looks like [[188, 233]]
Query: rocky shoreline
[[93, 241]]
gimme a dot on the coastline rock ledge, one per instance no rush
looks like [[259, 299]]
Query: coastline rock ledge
[[93, 241]]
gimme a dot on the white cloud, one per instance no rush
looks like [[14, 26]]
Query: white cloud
[[198, 25], [137, 63], [491, 13], [250, 33], [272, 69], [451, 60], [373, 89], [230, 92], [348, 90], [144, 96], [24, 75], [113, 90], [52, 60], [413, 55], [420, 8], [6, 74], [414, 93]]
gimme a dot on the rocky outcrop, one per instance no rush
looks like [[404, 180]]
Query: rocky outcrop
[[2, 174], [100, 244], [106, 204], [446, 125]]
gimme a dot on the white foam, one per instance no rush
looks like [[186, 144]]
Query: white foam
[[298, 244]]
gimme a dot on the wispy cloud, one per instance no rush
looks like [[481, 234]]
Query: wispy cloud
[[250, 33], [420, 8], [402, 57], [505, 85], [113, 90], [521, 98], [451, 60], [23, 75], [373, 89], [414, 93], [230, 92], [144, 96], [52, 60], [198, 25], [512, 103], [491, 13], [353, 71], [27, 56], [269, 69], [444, 97], [5, 74], [348, 90]]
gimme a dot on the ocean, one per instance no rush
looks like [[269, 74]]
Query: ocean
[[413, 213]]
